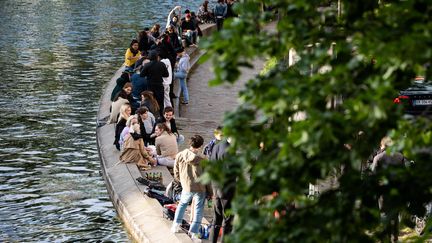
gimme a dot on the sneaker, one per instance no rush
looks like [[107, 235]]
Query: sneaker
[[195, 237], [185, 102], [175, 228]]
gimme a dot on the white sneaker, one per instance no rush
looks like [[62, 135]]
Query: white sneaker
[[195, 237], [175, 228]]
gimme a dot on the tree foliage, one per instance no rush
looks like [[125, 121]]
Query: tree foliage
[[378, 47]]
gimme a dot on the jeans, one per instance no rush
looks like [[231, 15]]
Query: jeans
[[199, 208], [191, 36], [181, 75]]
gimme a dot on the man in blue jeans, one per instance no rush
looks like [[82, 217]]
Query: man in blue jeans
[[187, 170]]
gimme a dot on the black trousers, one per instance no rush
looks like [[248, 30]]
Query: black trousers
[[221, 219], [219, 23]]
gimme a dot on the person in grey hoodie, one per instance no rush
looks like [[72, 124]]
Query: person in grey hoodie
[[181, 73], [187, 170]]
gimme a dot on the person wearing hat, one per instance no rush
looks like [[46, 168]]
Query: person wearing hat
[[155, 71], [189, 31]]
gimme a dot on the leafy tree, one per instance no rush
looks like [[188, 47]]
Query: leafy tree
[[377, 48]]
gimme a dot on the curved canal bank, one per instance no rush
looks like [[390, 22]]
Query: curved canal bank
[[141, 215]]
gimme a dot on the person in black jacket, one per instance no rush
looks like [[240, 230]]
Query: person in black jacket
[[222, 194], [169, 120], [155, 71], [120, 82]]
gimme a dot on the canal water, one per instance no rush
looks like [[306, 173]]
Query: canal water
[[55, 58]]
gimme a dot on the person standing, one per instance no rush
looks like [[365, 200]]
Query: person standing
[[217, 138], [230, 11], [155, 71], [181, 73], [167, 82], [187, 170], [383, 161], [222, 194], [220, 12]]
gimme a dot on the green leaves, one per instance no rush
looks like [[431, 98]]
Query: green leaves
[[320, 119]]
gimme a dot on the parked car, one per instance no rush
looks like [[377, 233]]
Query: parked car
[[417, 99]]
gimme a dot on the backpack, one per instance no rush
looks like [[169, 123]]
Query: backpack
[[209, 147]]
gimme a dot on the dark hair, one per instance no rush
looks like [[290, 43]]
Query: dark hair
[[168, 109], [142, 40], [153, 55], [142, 110], [180, 50], [134, 52], [149, 95], [163, 126], [196, 141], [122, 93]]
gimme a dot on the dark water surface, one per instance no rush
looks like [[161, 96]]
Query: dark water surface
[[55, 58]]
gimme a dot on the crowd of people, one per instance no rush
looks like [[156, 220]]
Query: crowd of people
[[146, 132]]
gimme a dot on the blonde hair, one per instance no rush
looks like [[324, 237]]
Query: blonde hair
[[129, 120], [123, 113]]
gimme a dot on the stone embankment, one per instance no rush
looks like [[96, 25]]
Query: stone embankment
[[141, 215]]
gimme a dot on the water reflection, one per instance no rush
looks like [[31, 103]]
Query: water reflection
[[55, 58]]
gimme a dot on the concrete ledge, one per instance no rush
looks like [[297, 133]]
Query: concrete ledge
[[141, 215]]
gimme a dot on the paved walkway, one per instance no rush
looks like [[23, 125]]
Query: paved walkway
[[207, 105]]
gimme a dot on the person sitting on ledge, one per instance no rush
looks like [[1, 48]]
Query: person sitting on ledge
[[189, 30], [134, 150], [169, 120], [132, 55], [125, 113], [125, 133], [147, 122], [120, 82], [123, 97], [166, 145]]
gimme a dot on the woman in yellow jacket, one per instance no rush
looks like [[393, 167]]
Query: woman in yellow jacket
[[132, 55]]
